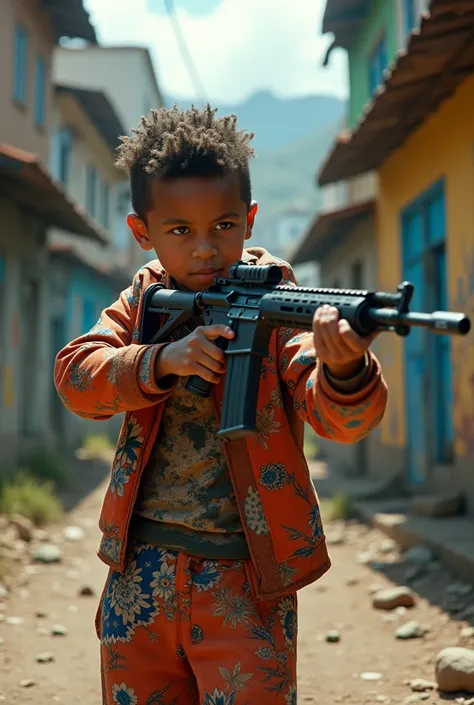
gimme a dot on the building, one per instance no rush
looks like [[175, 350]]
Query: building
[[86, 276], [30, 202], [416, 130], [341, 240], [280, 232], [127, 77], [79, 291], [85, 130]]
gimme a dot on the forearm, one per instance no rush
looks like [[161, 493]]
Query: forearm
[[346, 414], [98, 381]]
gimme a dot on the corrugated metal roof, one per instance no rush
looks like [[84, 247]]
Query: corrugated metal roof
[[438, 57], [25, 182]]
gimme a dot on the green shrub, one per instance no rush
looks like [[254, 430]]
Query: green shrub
[[31, 498]]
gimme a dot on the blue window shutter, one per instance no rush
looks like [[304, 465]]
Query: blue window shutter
[[378, 62], [409, 15], [91, 190], [65, 139], [383, 58], [20, 64], [40, 92], [373, 74], [89, 317], [105, 204]]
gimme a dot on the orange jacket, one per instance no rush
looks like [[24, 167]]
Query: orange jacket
[[106, 372]]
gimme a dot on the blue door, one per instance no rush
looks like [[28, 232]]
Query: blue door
[[414, 349], [442, 428], [428, 368]]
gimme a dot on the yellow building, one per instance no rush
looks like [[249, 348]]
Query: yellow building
[[418, 132]]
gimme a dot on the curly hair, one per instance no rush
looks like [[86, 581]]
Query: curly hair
[[170, 143]]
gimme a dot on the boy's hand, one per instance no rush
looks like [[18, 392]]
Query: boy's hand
[[337, 344], [196, 354]]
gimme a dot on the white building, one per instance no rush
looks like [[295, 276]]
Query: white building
[[127, 77], [84, 135], [280, 233]]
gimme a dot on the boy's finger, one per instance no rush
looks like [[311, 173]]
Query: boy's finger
[[216, 331], [205, 373], [212, 363], [319, 344], [330, 333], [351, 339], [211, 349]]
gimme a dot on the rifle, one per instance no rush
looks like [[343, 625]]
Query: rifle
[[253, 303]]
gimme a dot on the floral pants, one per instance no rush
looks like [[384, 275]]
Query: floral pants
[[178, 630]]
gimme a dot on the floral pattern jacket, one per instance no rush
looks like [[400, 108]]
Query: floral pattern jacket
[[107, 372]]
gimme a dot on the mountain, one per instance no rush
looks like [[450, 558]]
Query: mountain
[[292, 137], [287, 176], [278, 121]]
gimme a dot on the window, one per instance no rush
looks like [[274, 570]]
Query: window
[[105, 204], [377, 64], [65, 140], [88, 315], [40, 91], [91, 190], [409, 15], [20, 64]]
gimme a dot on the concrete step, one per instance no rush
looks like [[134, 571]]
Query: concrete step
[[450, 538]]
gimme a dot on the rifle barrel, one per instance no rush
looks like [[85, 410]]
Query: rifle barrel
[[442, 322]]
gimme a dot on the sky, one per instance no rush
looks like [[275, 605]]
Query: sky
[[238, 46]]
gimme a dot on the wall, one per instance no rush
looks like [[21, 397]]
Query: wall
[[17, 125], [89, 148], [24, 361], [357, 247], [70, 286], [381, 17], [442, 147], [125, 76], [336, 268], [122, 73]]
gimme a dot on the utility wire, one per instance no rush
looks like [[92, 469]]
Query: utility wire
[[185, 53]]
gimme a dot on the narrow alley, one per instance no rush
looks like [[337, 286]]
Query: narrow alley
[[349, 651]]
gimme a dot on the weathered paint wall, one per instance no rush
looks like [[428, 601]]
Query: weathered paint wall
[[71, 285], [24, 321], [337, 269], [441, 148], [87, 286], [382, 18], [17, 124]]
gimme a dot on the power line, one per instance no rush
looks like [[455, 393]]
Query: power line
[[185, 53]]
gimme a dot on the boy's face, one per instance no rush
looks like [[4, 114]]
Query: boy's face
[[197, 227]]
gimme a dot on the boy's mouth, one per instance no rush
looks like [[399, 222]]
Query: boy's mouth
[[206, 275]]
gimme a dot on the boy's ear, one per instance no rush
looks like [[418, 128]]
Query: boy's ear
[[253, 210], [139, 231]]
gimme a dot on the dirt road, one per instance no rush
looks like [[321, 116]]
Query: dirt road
[[328, 672]]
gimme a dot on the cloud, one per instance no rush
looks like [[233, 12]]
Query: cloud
[[242, 46]]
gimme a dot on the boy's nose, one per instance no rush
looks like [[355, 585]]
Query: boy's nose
[[204, 248]]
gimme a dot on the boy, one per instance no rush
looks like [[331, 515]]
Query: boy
[[207, 542]]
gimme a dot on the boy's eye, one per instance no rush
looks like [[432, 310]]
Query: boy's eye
[[226, 225], [181, 230]]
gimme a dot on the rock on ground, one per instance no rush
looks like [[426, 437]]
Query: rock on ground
[[391, 598], [455, 669]]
